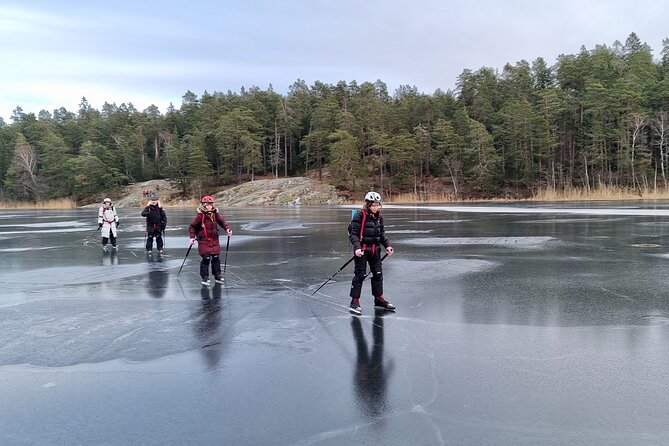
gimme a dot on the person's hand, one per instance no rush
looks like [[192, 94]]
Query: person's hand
[[148, 203], [229, 232], [117, 223], [192, 241], [99, 225], [359, 252], [390, 250]]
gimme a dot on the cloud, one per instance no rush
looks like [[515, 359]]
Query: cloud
[[152, 52]]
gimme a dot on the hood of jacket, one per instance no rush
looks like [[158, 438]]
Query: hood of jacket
[[201, 210]]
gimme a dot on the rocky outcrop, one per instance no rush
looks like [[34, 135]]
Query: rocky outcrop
[[280, 192], [134, 194], [270, 192]]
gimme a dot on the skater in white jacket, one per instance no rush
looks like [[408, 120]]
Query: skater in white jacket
[[107, 223]]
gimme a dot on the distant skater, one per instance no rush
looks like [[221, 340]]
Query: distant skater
[[367, 234], [156, 222], [204, 229], [108, 223]]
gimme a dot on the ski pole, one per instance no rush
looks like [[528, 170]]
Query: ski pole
[[225, 262], [370, 271], [330, 278], [182, 263]]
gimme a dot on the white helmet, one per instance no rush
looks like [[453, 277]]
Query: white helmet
[[373, 196], [107, 200]]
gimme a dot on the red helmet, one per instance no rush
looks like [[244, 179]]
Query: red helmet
[[207, 199]]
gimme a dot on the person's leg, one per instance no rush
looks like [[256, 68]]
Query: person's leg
[[112, 238], [377, 284], [159, 241], [105, 240], [359, 275], [377, 274], [149, 242], [204, 266], [216, 266], [356, 284]]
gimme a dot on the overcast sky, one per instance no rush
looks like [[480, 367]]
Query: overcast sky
[[54, 52]]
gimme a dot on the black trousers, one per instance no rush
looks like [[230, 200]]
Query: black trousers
[[215, 261], [111, 238], [374, 261], [159, 241]]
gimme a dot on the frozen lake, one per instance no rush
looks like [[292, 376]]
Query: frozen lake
[[516, 325]]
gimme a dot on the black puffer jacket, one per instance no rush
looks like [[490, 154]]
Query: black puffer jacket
[[155, 217], [366, 230]]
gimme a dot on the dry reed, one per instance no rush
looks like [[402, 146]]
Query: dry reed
[[61, 203], [602, 193]]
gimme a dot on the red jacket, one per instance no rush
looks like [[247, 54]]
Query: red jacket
[[204, 228]]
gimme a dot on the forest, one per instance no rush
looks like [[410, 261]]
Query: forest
[[596, 118]]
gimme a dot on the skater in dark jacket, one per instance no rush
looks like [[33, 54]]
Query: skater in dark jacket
[[156, 221], [367, 234], [204, 229]]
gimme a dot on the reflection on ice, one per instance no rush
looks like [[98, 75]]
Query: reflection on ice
[[41, 248], [571, 220], [414, 271], [272, 225], [78, 275], [542, 210], [513, 242], [64, 332], [372, 371], [422, 222], [51, 224], [44, 231]]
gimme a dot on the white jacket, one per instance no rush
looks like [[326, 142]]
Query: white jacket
[[107, 216]]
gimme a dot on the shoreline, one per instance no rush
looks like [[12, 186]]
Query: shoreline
[[181, 204]]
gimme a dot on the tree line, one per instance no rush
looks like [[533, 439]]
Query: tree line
[[599, 117]]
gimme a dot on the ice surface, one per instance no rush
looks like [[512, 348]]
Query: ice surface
[[509, 330], [514, 242]]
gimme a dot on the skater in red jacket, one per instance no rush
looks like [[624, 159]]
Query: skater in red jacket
[[204, 229]]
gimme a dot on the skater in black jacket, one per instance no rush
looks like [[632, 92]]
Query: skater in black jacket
[[367, 234], [156, 221]]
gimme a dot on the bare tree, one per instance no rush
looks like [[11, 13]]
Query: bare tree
[[24, 163], [638, 123], [660, 125]]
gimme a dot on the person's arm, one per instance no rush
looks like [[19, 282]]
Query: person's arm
[[193, 228], [146, 211], [384, 238], [163, 219], [354, 230]]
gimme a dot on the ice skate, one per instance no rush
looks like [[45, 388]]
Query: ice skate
[[354, 308], [382, 304]]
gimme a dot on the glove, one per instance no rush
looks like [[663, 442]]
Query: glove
[[359, 252], [229, 232], [390, 250], [192, 241], [117, 223], [99, 225]]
